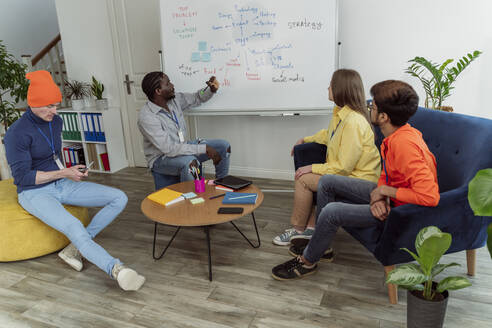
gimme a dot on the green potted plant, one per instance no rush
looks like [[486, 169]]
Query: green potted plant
[[76, 91], [13, 88], [480, 198], [438, 86], [13, 83], [97, 89], [427, 299]]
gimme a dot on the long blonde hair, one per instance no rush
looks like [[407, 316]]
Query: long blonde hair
[[347, 89]]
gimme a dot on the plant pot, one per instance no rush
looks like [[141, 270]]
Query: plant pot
[[88, 102], [101, 104], [77, 104], [446, 108], [422, 313]]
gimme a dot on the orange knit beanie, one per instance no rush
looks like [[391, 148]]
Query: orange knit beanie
[[42, 90]]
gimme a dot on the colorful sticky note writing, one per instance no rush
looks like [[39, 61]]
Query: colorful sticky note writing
[[206, 57], [195, 56], [195, 201], [189, 195], [202, 46]]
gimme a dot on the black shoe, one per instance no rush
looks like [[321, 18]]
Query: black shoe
[[298, 246], [293, 269]]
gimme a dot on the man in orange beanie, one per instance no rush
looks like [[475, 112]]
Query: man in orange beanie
[[33, 147]]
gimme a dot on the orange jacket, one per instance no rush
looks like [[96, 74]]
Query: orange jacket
[[409, 166]]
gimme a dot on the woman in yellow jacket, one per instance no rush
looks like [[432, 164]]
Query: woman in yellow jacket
[[350, 151]]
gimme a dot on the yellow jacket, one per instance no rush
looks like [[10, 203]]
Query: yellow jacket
[[351, 150]]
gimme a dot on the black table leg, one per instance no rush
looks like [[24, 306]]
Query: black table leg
[[155, 242], [257, 234], [207, 233]]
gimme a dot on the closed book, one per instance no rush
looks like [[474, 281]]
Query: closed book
[[166, 197], [239, 198], [223, 188], [105, 161]]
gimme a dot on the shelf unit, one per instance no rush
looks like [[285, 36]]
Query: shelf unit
[[113, 131]]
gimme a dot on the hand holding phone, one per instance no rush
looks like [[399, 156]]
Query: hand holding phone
[[84, 169]]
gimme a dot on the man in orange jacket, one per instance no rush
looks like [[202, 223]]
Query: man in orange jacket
[[409, 175]]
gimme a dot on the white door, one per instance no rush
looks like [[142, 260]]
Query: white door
[[137, 26]]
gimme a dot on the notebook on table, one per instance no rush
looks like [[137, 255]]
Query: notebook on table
[[166, 197], [233, 182], [243, 198]]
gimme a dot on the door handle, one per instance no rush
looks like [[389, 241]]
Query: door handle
[[128, 82]]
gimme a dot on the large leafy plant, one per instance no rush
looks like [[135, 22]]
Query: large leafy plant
[[480, 198], [431, 244], [439, 85], [13, 82]]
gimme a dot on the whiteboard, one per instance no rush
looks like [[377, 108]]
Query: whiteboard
[[267, 55]]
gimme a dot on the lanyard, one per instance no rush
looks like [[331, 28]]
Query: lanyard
[[52, 144], [333, 132], [176, 119]]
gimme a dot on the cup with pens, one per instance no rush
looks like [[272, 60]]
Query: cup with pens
[[199, 181]]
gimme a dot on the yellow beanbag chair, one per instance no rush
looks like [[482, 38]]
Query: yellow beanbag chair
[[23, 236]]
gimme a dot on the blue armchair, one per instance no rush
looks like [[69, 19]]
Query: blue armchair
[[462, 145]]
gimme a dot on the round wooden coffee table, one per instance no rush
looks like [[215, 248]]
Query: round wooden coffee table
[[185, 214]]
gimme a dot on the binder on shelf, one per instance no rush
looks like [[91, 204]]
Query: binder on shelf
[[100, 128], [76, 132], [73, 154], [66, 157], [89, 132], [92, 128], [105, 161]]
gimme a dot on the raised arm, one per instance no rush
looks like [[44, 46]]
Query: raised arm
[[190, 100]]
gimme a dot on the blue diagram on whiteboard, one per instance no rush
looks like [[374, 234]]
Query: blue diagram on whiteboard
[[201, 54], [283, 48]]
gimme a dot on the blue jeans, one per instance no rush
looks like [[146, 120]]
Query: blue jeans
[[46, 204], [342, 202], [179, 165]]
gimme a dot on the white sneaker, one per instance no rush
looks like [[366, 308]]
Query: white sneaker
[[127, 278], [284, 238], [72, 257]]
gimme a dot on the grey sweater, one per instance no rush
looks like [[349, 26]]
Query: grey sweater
[[160, 129]]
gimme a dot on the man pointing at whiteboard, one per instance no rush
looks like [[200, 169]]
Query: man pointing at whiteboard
[[162, 123]]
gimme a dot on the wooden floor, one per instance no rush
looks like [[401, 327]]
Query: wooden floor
[[349, 292]]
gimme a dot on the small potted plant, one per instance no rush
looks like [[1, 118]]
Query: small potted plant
[[426, 299], [438, 86], [480, 198], [76, 91], [97, 89]]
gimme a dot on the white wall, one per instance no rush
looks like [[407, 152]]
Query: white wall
[[380, 36], [261, 145], [26, 26], [87, 44]]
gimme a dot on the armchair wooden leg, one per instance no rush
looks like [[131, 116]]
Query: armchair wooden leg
[[471, 256], [392, 288]]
